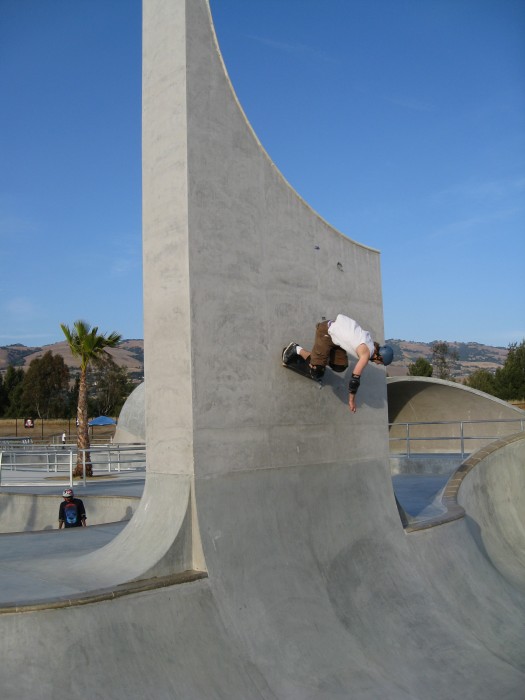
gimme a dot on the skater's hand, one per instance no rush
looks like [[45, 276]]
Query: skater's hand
[[351, 403]]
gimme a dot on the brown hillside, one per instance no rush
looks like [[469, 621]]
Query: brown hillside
[[129, 354], [472, 356]]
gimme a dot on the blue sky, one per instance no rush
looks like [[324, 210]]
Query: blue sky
[[401, 122]]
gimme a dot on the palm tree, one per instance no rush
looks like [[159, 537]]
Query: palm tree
[[87, 344]]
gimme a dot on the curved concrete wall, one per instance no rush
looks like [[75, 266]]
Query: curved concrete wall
[[493, 496], [131, 426], [421, 399], [22, 512]]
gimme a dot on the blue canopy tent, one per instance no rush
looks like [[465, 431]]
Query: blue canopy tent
[[102, 420]]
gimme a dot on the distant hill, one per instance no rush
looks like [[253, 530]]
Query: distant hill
[[472, 356], [130, 354]]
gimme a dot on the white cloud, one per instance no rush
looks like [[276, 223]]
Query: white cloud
[[293, 48], [482, 190], [123, 265], [33, 337], [20, 307]]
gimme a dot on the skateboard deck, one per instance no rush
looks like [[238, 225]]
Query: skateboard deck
[[300, 366]]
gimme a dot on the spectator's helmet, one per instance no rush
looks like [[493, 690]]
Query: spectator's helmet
[[67, 493], [386, 354]]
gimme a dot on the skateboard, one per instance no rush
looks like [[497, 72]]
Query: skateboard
[[300, 366]]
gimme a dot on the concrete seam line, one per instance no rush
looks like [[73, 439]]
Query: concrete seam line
[[104, 594]]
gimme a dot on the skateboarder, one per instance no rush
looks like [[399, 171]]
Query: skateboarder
[[71, 512], [333, 340]]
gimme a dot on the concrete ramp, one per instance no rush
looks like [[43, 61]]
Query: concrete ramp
[[493, 495], [258, 482], [24, 512]]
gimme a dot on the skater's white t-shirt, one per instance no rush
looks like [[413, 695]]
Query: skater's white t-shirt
[[348, 334]]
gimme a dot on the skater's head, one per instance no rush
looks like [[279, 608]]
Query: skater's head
[[67, 493], [383, 354]]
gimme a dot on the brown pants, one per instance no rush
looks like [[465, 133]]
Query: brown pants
[[326, 352]]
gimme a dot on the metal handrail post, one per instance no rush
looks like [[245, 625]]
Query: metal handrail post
[[408, 439], [462, 440], [71, 469]]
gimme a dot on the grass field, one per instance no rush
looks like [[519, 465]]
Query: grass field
[[50, 431]]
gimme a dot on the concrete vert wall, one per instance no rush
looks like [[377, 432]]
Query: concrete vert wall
[[236, 265], [422, 399]]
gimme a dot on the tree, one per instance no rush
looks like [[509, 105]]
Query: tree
[[109, 387], [510, 379], [443, 359], [45, 386], [13, 383], [420, 368], [88, 345], [482, 380], [3, 397]]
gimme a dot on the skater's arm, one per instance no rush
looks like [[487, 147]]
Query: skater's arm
[[363, 353]]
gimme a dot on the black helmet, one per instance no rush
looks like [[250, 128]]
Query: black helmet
[[386, 354]]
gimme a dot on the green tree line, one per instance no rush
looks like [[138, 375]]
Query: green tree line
[[507, 382], [47, 389]]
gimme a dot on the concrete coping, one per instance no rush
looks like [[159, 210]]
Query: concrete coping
[[102, 594]]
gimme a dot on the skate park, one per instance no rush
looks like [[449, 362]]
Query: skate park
[[266, 558]]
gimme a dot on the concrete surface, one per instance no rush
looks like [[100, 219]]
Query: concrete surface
[[131, 426], [27, 512], [493, 495], [257, 481], [426, 399], [425, 464], [420, 496]]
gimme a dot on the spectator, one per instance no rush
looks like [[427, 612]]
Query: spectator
[[71, 512]]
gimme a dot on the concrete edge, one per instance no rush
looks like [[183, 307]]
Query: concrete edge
[[103, 594], [449, 498], [47, 522], [35, 533]]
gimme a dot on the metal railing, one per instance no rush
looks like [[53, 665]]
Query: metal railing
[[40, 461], [451, 432]]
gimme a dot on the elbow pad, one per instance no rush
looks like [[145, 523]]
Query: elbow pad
[[354, 383]]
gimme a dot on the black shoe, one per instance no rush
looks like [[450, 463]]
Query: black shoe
[[317, 372], [289, 352]]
